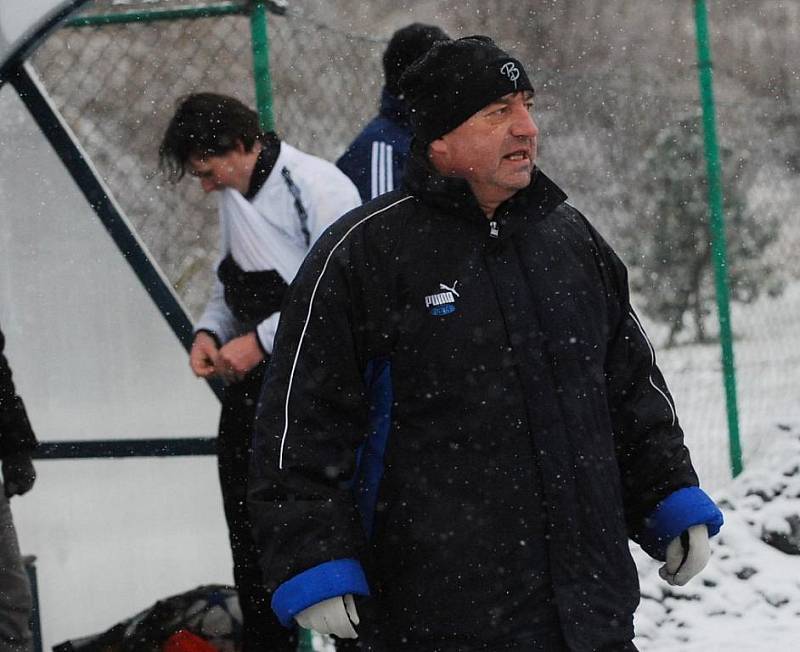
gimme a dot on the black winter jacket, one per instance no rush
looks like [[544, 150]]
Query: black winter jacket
[[16, 434], [489, 396]]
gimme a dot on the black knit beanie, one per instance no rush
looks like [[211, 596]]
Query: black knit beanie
[[454, 80], [406, 46]]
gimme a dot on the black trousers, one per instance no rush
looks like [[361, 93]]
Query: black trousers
[[262, 632]]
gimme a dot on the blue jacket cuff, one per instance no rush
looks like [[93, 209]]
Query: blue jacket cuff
[[672, 516], [319, 583]]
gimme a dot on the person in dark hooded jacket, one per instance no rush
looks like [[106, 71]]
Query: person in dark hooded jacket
[[376, 159], [17, 443], [463, 423]]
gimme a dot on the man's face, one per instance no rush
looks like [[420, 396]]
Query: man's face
[[227, 170], [494, 150]]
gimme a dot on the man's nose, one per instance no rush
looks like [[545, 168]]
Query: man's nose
[[524, 124]]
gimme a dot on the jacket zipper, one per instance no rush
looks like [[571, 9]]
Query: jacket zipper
[[494, 229]]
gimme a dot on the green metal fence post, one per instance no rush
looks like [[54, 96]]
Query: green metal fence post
[[260, 42], [717, 226]]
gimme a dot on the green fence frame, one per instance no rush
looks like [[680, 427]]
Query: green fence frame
[[258, 36], [717, 228]]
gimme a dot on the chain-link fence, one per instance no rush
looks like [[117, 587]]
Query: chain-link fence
[[608, 82], [116, 86]]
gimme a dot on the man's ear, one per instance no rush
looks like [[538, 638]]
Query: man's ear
[[438, 153], [239, 147], [438, 147]]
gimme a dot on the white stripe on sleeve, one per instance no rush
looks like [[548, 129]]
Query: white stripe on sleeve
[[653, 363], [382, 169], [308, 319], [374, 169], [389, 169]]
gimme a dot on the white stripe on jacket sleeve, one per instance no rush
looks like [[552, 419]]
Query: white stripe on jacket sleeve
[[653, 364], [382, 172], [374, 169], [389, 169], [308, 319]]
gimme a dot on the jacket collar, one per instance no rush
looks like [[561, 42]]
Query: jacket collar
[[394, 108], [267, 157], [454, 196]]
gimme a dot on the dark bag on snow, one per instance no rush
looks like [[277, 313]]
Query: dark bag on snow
[[211, 612]]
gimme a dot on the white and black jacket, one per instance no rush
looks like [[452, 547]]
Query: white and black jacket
[[265, 237], [464, 420]]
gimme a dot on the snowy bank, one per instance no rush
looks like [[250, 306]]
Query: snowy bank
[[748, 598]]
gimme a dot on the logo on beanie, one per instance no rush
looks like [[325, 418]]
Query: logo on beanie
[[510, 70]]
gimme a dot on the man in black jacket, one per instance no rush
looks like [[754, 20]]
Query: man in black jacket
[[463, 423], [17, 442]]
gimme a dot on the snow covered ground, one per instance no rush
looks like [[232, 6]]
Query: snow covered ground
[[748, 598]]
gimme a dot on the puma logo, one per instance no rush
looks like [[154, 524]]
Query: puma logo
[[442, 286], [443, 303]]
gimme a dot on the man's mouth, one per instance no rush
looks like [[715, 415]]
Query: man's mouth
[[519, 155]]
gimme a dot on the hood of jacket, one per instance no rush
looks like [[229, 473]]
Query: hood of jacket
[[394, 108]]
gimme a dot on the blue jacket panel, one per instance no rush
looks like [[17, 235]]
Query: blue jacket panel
[[376, 158]]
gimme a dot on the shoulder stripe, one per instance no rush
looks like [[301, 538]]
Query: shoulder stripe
[[374, 169], [308, 317], [389, 169], [381, 168], [653, 362]]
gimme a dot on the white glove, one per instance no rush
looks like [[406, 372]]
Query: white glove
[[687, 555], [332, 616]]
